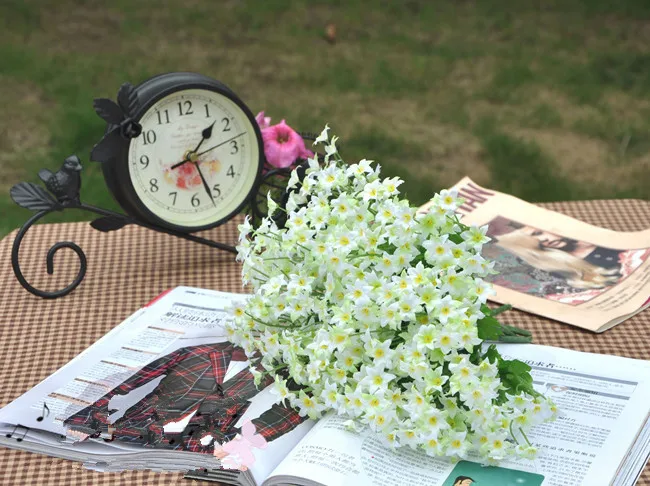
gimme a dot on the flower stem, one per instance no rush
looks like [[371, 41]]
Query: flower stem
[[500, 309], [517, 330], [267, 324], [362, 255], [275, 368], [512, 434], [260, 272], [515, 339]]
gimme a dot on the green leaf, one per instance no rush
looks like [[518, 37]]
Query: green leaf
[[456, 238], [516, 367], [515, 377], [489, 329], [492, 354]]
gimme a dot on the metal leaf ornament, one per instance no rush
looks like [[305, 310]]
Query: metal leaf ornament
[[32, 197], [108, 223], [119, 117]]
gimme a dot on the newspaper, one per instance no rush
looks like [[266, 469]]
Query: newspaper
[[556, 266], [600, 437]]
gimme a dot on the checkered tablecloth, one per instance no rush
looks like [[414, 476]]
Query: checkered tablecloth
[[129, 267]]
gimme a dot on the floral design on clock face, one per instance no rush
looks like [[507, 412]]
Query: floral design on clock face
[[196, 159]]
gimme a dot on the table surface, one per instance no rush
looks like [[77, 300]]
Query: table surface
[[129, 267]]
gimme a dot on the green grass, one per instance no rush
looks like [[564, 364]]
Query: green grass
[[431, 90], [532, 175]]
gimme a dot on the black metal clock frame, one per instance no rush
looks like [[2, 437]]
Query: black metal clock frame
[[63, 187], [123, 125]]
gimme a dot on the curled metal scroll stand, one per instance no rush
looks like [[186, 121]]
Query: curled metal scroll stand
[[64, 186]]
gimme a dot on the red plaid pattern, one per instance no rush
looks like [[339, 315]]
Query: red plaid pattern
[[193, 383]]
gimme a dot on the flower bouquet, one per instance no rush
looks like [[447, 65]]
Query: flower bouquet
[[365, 308]]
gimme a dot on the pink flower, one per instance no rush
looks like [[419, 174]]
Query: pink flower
[[283, 146], [263, 121], [238, 453]]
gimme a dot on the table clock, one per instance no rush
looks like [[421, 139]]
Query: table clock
[[181, 153]]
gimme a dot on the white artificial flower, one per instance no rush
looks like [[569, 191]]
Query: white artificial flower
[[281, 391], [323, 137], [373, 311], [449, 199]]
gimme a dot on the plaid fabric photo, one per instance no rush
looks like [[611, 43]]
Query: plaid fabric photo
[[193, 385]]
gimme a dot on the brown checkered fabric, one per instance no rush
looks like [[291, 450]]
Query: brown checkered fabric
[[129, 267]]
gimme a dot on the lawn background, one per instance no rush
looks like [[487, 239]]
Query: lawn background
[[547, 100]]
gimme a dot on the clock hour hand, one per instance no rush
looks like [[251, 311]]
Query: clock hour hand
[[205, 134], [205, 184]]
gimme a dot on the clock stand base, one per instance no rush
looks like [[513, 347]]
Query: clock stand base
[[64, 194]]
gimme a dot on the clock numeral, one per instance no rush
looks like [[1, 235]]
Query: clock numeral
[[216, 191], [173, 194], [188, 108], [226, 124], [231, 172], [207, 111], [149, 137], [195, 200], [234, 148], [144, 162], [153, 185], [160, 117]]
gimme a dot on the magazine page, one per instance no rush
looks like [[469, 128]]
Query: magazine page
[[602, 404], [165, 380], [556, 266], [268, 458]]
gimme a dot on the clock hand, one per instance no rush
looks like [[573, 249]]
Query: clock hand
[[205, 134], [219, 144], [205, 184]]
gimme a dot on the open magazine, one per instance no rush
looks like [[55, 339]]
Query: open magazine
[[160, 391], [602, 435], [556, 266], [166, 391]]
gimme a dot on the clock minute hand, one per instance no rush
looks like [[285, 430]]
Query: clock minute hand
[[220, 144], [205, 184]]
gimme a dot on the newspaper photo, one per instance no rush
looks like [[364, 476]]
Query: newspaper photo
[[557, 266]]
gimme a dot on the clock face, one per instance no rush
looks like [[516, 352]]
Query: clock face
[[215, 179]]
